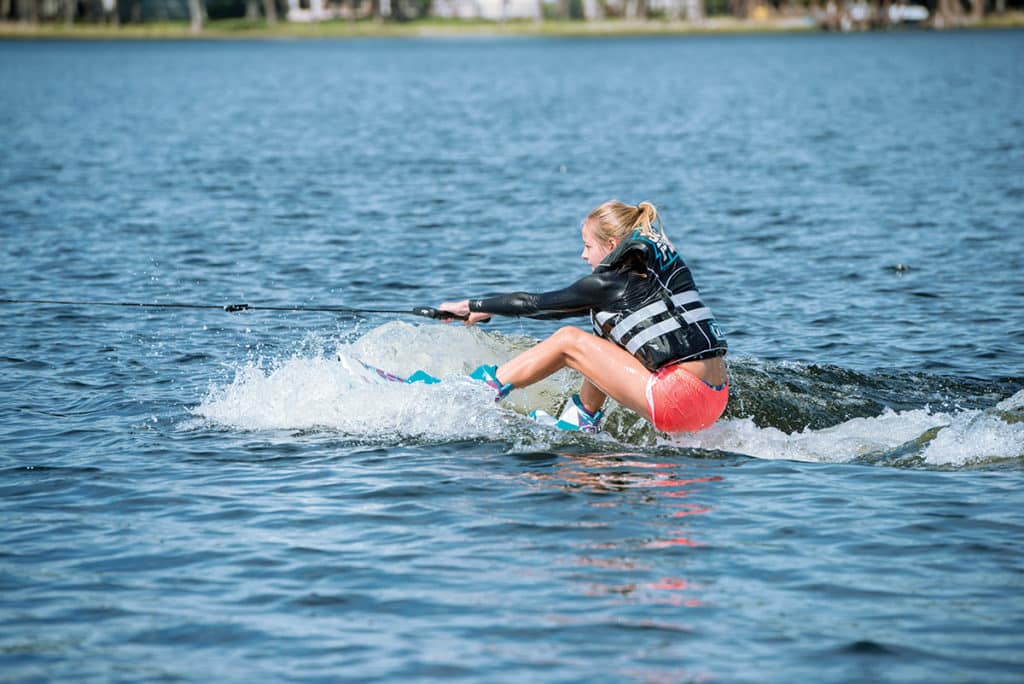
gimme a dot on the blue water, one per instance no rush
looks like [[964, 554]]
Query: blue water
[[189, 494]]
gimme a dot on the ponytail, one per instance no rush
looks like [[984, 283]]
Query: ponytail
[[616, 220], [647, 219]]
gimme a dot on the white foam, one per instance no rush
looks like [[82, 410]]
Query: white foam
[[940, 439], [855, 438], [318, 393], [334, 391], [980, 436], [1012, 404], [318, 390]]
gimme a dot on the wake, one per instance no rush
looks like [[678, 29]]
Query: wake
[[330, 390]]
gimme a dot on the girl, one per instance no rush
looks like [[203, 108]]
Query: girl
[[656, 349]]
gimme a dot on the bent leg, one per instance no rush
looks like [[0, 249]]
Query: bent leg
[[609, 367], [591, 396]]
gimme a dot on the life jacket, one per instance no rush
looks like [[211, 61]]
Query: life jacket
[[660, 319]]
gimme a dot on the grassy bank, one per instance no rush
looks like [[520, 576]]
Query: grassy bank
[[240, 29]]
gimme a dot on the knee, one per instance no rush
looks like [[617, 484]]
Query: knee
[[570, 339]]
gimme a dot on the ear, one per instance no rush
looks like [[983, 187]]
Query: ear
[[614, 242]]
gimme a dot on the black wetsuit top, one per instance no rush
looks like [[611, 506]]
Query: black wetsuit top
[[641, 296], [596, 290]]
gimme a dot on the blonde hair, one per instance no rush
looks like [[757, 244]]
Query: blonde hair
[[615, 220]]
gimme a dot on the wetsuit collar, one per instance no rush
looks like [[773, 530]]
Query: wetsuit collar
[[616, 254]]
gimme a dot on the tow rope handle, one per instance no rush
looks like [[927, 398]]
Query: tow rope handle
[[436, 314]]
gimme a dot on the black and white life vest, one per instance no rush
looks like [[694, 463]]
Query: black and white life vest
[[660, 318]]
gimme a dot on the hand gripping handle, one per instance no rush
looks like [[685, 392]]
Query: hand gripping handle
[[436, 314]]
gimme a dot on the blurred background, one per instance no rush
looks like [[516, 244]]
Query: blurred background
[[529, 15]]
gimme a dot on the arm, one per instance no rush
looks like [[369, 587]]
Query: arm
[[593, 291]]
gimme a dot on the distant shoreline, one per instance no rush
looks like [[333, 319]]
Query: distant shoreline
[[227, 29]]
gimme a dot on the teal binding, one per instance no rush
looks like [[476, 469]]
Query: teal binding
[[422, 376], [488, 375]]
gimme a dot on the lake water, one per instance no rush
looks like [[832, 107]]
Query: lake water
[[189, 494]]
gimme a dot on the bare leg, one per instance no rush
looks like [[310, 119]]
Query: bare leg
[[591, 397], [608, 367]]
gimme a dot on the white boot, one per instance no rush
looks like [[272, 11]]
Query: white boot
[[573, 417]]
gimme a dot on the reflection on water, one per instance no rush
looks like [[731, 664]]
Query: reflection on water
[[640, 568], [651, 494]]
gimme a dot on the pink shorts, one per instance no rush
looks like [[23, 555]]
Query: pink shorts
[[679, 401]]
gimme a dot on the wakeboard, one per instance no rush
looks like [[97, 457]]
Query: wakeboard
[[418, 376]]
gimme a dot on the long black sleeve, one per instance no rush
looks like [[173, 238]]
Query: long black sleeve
[[595, 291]]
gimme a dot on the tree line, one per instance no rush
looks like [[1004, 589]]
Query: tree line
[[830, 14]]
